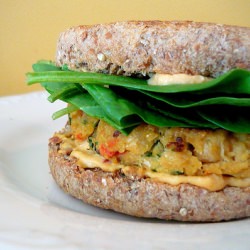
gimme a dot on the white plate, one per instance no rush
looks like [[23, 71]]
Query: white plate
[[36, 214]]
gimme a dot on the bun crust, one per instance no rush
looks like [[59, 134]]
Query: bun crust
[[144, 198], [144, 47]]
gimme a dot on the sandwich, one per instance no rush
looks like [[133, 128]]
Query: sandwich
[[158, 118]]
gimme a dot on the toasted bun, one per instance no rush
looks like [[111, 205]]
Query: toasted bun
[[146, 47], [143, 197]]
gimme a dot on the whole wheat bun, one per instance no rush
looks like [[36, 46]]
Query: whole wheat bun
[[144, 47], [142, 197]]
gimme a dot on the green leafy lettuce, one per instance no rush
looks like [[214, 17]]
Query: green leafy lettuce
[[125, 102]]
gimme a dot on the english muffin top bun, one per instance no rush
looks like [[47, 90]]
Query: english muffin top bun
[[158, 118]]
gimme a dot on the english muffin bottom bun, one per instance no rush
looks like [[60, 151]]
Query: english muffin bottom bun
[[158, 118]]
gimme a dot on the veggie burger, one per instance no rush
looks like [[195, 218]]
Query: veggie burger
[[158, 118]]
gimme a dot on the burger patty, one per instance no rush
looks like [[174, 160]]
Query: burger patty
[[143, 197], [175, 151]]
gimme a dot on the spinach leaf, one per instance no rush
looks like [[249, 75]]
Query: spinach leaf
[[125, 112], [191, 100], [236, 81], [234, 119], [124, 102]]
